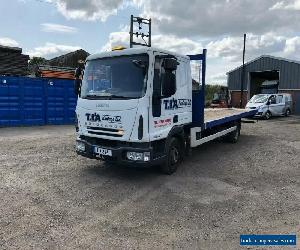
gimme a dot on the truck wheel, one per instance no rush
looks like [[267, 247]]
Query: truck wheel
[[287, 112], [174, 157], [268, 115], [233, 137]]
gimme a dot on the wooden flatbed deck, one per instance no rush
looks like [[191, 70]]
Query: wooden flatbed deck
[[216, 114], [214, 117]]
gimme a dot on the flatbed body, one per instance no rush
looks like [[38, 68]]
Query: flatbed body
[[216, 117]]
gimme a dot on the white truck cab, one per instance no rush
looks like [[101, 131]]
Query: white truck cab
[[138, 106], [130, 98], [269, 105]]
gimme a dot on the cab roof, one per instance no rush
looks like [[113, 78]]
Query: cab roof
[[133, 51]]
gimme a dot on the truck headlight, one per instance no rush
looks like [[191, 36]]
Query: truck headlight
[[80, 146], [137, 156]]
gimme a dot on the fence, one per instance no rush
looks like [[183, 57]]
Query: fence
[[28, 101]]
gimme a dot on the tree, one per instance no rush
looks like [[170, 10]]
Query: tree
[[34, 64], [36, 61]]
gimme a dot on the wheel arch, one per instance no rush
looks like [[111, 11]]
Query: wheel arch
[[177, 132]]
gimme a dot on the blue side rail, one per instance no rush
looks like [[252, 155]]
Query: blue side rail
[[198, 97]]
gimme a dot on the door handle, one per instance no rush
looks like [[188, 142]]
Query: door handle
[[175, 119]]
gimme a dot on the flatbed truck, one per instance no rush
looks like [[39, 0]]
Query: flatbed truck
[[138, 106]]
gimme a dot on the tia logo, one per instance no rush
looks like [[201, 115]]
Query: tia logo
[[97, 118], [171, 104], [111, 119], [177, 104]]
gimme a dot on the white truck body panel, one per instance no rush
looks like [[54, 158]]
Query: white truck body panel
[[129, 111]]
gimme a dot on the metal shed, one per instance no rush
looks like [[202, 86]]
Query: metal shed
[[266, 68]]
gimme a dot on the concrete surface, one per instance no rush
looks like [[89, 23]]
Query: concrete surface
[[53, 199]]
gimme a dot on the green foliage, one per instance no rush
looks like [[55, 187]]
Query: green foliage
[[35, 61]]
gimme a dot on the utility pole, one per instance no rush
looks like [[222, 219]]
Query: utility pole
[[243, 74], [141, 22]]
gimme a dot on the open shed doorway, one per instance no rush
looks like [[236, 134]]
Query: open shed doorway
[[257, 79]]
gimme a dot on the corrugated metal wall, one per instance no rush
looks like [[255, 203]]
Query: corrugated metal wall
[[36, 101], [289, 73]]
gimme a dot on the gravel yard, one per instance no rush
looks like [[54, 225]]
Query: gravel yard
[[53, 199]]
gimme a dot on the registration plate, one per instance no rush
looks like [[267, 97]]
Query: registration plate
[[102, 151]]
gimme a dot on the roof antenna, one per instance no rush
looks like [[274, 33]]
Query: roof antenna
[[141, 22]]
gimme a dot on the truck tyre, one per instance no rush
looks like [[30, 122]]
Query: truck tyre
[[233, 137], [287, 112], [268, 115], [174, 157]]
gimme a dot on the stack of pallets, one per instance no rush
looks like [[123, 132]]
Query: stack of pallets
[[56, 72], [69, 60], [12, 62]]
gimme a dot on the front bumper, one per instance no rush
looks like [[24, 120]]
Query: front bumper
[[119, 153], [258, 114]]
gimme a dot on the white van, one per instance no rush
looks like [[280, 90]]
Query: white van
[[269, 105]]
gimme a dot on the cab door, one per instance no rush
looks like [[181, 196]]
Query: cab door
[[162, 109], [279, 107], [276, 104], [171, 110], [280, 101]]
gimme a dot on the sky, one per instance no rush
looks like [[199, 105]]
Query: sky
[[49, 28]]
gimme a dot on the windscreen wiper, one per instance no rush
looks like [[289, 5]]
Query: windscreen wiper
[[96, 97], [121, 97], [108, 97]]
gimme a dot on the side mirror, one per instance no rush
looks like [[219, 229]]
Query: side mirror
[[168, 84], [170, 64], [77, 86]]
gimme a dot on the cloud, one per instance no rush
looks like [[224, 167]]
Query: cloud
[[231, 48], [218, 25], [212, 18], [177, 44], [6, 41], [120, 38], [168, 42], [57, 28], [194, 18], [225, 53], [286, 5], [292, 48], [218, 78], [89, 10], [50, 50], [228, 48]]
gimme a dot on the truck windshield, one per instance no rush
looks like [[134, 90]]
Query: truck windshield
[[123, 77], [259, 99]]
